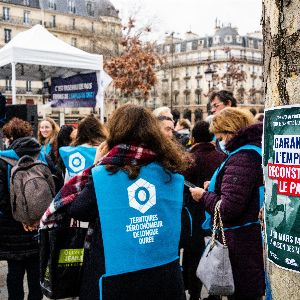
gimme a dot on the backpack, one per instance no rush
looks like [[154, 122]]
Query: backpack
[[32, 189]]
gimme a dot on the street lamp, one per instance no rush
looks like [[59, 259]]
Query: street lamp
[[172, 65], [209, 72]]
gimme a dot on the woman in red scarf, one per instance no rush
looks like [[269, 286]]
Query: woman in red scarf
[[139, 175]]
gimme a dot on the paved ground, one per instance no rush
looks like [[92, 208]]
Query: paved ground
[[3, 290]]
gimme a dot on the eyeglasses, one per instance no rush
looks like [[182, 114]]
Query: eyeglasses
[[216, 105]]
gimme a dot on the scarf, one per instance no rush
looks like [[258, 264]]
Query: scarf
[[120, 155]]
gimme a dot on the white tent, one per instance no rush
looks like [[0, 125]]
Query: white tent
[[36, 54]]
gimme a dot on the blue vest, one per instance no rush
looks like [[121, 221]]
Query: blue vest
[[208, 222], [46, 149], [12, 154], [78, 158], [140, 218]]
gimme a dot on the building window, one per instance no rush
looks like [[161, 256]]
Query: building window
[[216, 39], [198, 98], [71, 6], [26, 17], [228, 39], [239, 39], [187, 99], [28, 86], [6, 15], [73, 42], [198, 70], [53, 21], [189, 46], [7, 35], [30, 101], [186, 71], [89, 9], [26, 2], [52, 4], [92, 26], [177, 47], [8, 84], [73, 23]]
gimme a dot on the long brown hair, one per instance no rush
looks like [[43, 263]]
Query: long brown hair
[[90, 131], [132, 124], [52, 139]]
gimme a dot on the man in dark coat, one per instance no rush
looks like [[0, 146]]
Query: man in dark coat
[[207, 159]]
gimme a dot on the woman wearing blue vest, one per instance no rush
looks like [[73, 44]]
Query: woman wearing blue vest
[[237, 183], [82, 151], [17, 246], [134, 197], [47, 135]]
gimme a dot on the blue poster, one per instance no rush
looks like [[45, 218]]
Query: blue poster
[[75, 91]]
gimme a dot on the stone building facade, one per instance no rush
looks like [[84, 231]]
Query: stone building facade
[[91, 25], [234, 62]]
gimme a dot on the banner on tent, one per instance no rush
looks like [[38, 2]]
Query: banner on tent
[[75, 91], [282, 184]]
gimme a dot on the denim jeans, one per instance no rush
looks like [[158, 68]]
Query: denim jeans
[[15, 278]]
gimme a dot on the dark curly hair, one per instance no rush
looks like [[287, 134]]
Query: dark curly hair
[[17, 128], [224, 96]]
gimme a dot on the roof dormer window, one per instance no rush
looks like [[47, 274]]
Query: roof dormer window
[[90, 9], [52, 4], [239, 39], [216, 39], [228, 39], [71, 6]]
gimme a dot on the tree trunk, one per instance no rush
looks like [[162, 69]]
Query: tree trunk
[[281, 29]]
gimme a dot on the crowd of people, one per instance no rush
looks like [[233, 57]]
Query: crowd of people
[[129, 175]]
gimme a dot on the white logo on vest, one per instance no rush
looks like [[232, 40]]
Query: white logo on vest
[[76, 162], [142, 195]]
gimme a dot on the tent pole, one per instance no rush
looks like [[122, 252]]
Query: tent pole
[[13, 83], [100, 97]]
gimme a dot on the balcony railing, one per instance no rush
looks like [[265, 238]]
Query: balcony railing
[[21, 91], [86, 30], [20, 21], [219, 58]]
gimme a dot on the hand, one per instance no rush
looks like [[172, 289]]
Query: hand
[[101, 151], [197, 193], [206, 185], [261, 217]]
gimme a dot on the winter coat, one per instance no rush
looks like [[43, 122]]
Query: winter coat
[[134, 285], [237, 186], [15, 242], [206, 161]]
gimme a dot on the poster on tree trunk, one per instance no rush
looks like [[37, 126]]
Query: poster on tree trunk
[[281, 162]]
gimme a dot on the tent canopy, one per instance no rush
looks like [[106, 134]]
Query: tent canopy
[[50, 55], [36, 54]]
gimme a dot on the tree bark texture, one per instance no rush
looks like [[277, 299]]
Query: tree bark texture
[[281, 30]]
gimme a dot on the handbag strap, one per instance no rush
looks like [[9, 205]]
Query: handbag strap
[[218, 224]]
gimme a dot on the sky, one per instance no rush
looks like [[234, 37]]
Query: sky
[[198, 16]]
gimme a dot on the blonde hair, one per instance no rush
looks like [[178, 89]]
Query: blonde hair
[[185, 123], [52, 138], [230, 120]]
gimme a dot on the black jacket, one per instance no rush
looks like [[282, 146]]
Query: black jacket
[[160, 283], [15, 242]]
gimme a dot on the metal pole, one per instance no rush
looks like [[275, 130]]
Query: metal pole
[[13, 83], [172, 74]]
